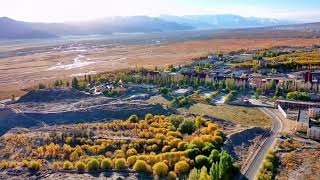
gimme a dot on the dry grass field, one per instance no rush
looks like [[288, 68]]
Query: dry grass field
[[23, 71], [236, 114]]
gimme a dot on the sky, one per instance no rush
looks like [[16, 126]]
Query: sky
[[82, 10]]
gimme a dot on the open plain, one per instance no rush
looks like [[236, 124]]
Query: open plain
[[44, 63]]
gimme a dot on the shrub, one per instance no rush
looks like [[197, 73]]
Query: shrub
[[198, 142], [192, 153], [191, 146], [131, 160], [131, 152], [93, 165], [13, 164], [106, 163], [181, 167], [165, 149], [133, 118], [24, 163], [4, 164], [270, 157], [176, 120], [67, 165], [174, 134], [164, 91], [120, 154], [148, 117], [120, 163], [218, 140], [34, 165], [201, 160], [187, 127], [80, 166], [207, 149], [182, 146], [69, 140], [218, 132], [172, 175], [298, 96], [140, 166], [160, 136], [268, 165], [160, 169]]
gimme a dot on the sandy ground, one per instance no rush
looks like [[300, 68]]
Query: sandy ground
[[23, 71]]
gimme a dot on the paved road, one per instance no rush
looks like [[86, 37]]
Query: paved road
[[256, 161]]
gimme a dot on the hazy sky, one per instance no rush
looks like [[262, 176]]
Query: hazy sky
[[78, 10]]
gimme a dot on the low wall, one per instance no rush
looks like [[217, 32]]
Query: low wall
[[284, 114]]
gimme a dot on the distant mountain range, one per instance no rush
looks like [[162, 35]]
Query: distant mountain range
[[12, 29], [227, 21]]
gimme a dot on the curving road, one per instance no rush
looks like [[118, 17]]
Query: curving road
[[250, 171]]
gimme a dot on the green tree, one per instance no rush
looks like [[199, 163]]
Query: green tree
[[13, 97], [298, 96], [187, 127], [214, 156], [164, 91], [271, 85], [41, 86], [57, 83], [201, 160], [192, 153], [258, 92], [75, 83], [225, 164], [214, 171], [133, 118], [176, 120], [230, 84]]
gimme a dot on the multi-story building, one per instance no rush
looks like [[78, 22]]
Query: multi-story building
[[309, 122]]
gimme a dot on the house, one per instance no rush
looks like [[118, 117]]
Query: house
[[308, 122]]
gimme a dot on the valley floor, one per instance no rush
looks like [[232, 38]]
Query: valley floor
[[28, 68]]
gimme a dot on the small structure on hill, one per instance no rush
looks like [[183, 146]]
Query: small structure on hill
[[182, 92]]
